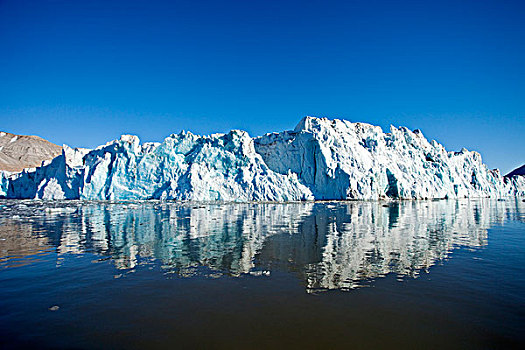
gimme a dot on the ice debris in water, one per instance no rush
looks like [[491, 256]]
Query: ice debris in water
[[319, 159]]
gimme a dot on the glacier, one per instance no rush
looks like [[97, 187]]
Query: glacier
[[321, 159]]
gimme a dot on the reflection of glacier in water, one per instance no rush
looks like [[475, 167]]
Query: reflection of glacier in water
[[364, 241], [335, 245]]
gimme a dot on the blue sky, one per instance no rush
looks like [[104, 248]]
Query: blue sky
[[84, 72]]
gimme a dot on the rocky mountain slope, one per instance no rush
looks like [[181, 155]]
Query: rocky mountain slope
[[319, 159], [517, 171], [19, 151]]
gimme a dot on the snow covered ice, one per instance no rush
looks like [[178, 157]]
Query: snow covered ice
[[319, 159]]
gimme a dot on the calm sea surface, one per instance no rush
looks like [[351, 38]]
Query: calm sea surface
[[411, 274]]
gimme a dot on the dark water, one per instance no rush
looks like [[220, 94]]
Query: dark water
[[415, 274]]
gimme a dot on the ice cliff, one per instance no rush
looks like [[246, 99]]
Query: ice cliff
[[184, 166], [319, 159], [338, 159]]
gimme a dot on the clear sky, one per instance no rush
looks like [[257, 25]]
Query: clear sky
[[84, 72]]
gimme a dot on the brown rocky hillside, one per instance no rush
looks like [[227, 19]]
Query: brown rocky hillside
[[19, 151]]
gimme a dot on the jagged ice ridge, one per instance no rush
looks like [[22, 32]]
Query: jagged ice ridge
[[319, 159]]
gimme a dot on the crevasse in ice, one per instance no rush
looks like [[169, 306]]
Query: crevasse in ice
[[319, 159]]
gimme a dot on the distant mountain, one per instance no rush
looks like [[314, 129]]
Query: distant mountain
[[19, 151], [518, 171]]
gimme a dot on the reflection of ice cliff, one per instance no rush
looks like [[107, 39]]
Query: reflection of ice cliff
[[221, 237], [333, 245], [367, 240]]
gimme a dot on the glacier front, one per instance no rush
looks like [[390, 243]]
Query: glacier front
[[320, 159]]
